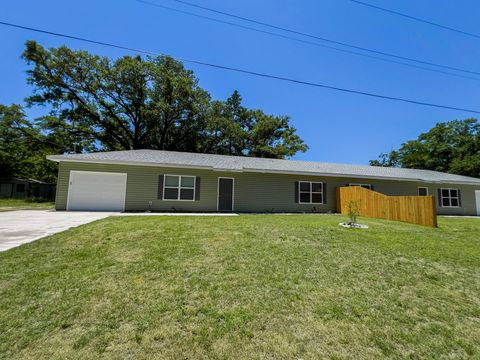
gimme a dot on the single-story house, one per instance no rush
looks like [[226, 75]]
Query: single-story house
[[13, 187], [140, 180]]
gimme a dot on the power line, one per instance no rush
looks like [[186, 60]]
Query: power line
[[316, 37], [417, 19], [308, 42], [243, 71]]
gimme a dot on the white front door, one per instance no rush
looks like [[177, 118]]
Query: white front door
[[477, 201], [96, 191]]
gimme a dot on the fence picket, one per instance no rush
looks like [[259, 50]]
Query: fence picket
[[419, 210]]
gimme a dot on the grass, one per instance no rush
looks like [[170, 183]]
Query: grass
[[25, 204], [247, 287]]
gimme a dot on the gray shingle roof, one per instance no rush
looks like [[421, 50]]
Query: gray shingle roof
[[238, 163]]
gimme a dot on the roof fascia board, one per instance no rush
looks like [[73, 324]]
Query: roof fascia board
[[348, 176], [60, 158], [132, 163], [354, 176]]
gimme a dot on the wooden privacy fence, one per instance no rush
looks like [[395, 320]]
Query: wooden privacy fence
[[412, 209]]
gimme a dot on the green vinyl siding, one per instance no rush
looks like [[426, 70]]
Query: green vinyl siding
[[142, 186], [253, 192]]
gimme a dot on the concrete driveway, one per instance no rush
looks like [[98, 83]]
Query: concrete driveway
[[24, 226]]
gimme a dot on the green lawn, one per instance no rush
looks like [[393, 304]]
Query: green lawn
[[25, 204], [247, 287]]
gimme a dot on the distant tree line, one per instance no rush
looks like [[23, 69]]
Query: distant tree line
[[452, 147], [98, 104]]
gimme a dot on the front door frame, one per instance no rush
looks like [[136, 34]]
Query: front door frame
[[218, 192]]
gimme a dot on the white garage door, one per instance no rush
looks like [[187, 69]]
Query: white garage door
[[98, 191]]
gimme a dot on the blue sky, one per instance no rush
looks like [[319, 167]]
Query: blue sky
[[337, 127]]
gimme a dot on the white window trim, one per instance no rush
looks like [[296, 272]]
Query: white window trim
[[179, 187], [449, 197], [422, 187], [311, 192], [362, 185]]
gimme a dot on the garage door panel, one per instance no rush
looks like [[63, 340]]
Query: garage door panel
[[97, 191]]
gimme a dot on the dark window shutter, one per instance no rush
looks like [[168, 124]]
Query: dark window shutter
[[324, 190], [160, 187], [296, 191], [439, 194], [197, 188], [459, 198]]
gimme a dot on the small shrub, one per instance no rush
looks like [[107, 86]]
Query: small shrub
[[353, 212]]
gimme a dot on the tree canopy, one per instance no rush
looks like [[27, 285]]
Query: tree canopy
[[23, 147], [152, 103], [95, 103], [452, 147]]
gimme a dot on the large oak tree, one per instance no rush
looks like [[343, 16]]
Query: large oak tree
[[152, 103]]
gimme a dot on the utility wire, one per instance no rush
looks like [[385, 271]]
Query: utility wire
[[416, 19], [243, 71], [296, 32], [308, 42]]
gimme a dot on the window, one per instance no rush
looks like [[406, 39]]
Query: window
[[366, 186], [179, 187], [450, 197], [422, 191], [310, 192]]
